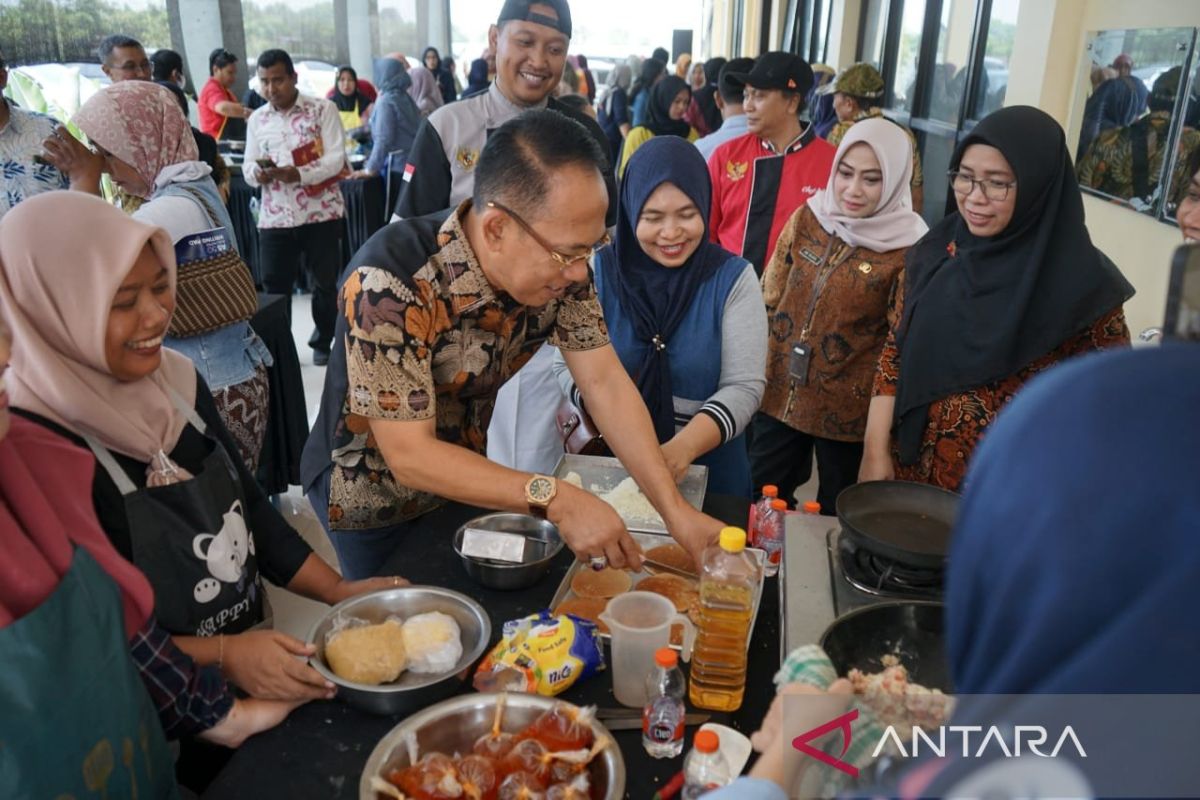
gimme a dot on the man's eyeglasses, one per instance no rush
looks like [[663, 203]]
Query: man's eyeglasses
[[563, 259], [995, 190]]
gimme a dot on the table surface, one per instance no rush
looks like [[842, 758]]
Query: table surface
[[320, 750]]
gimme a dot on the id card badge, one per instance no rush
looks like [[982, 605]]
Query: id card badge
[[798, 365]]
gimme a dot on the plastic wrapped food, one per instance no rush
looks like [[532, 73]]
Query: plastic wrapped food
[[541, 653], [433, 643], [578, 788], [496, 743], [478, 777], [368, 654], [432, 778], [563, 727], [522, 786], [528, 756]]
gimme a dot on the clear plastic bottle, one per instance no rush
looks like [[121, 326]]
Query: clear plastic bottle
[[769, 493], [663, 715], [770, 536], [728, 579], [704, 769]]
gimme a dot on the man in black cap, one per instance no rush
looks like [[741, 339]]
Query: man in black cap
[[761, 178], [530, 39]]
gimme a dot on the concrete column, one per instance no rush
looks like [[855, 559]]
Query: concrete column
[[362, 33], [200, 26]]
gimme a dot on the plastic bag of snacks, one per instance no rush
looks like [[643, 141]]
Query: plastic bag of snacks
[[541, 654]]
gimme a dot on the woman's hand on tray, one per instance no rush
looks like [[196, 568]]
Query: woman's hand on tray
[[268, 665], [694, 530], [592, 528]]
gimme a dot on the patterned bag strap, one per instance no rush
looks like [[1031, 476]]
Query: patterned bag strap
[[203, 202]]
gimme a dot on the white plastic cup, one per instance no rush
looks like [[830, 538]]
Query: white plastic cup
[[639, 624]]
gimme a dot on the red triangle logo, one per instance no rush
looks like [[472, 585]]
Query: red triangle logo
[[841, 723]]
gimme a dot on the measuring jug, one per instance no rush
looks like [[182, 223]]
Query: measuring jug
[[640, 623]]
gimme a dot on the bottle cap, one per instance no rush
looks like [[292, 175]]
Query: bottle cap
[[707, 741], [779, 505], [770, 490], [733, 540], [666, 658], [812, 507]]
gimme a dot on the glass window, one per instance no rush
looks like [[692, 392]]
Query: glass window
[[304, 28], [997, 54], [874, 31], [821, 28], [948, 81], [904, 81], [67, 31], [398, 28]]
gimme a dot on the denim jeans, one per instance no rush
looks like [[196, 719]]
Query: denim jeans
[[361, 553], [224, 357]]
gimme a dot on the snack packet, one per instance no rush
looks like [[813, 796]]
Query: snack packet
[[541, 654]]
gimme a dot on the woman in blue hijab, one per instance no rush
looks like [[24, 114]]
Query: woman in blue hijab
[[685, 316], [1075, 560]]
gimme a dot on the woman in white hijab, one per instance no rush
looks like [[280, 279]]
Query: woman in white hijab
[[827, 289]]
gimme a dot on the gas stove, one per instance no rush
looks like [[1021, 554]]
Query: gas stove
[[824, 576]]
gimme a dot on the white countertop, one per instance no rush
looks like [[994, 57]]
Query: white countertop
[[806, 597]]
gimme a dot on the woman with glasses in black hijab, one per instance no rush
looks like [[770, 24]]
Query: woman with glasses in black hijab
[[994, 294]]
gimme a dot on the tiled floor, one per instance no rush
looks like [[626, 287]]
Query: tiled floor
[[295, 615]]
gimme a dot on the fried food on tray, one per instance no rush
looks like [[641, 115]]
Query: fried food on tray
[[672, 555], [605, 583], [680, 591], [588, 608]]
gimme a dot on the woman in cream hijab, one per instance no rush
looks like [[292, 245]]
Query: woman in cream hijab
[[88, 304], [827, 289]]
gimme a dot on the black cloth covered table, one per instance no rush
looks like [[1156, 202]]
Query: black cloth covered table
[[321, 749], [365, 214], [287, 420]]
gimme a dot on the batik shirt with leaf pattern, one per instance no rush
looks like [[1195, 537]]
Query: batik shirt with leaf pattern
[[434, 343]]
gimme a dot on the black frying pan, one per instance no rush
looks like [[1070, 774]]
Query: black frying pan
[[911, 630], [902, 521]]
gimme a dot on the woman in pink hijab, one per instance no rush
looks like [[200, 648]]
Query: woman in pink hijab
[[150, 153], [424, 91], [827, 289], [89, 305], [106, 678]]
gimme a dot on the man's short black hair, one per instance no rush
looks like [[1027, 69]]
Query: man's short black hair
[[712, 69], [732, 90], [575, 101], [661, 54], [270, 58], [174, 89], [519, 156], [220, 59], [163, 63], [110, 43]]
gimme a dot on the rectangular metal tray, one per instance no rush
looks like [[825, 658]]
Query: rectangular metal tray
[[605, 473], [648, 540]]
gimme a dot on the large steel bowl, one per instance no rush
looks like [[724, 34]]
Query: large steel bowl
[[506, 576], [454, 725], [412, 691], [913, 631]]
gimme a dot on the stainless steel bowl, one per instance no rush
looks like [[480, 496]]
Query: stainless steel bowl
[[411, 692], [501, 575], [454, 725]]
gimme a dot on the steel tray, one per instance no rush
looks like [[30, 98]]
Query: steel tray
[[648, 540], [605, 473]]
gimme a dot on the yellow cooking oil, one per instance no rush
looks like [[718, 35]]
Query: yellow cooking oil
[[728, 580]]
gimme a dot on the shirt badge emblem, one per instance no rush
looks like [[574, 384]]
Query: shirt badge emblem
[[864, 268], [736, 170], [466, 158]]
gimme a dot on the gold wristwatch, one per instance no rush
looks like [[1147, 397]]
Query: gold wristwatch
[[539, 493]]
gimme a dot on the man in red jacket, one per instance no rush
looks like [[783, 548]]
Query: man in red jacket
[[761, 178]]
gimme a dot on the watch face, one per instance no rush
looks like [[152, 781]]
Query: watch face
[[541, 490]]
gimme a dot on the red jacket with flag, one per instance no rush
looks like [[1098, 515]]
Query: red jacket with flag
[[756, 191]]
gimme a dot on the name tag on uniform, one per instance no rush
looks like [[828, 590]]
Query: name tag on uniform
[[798, 364], [810, 256]]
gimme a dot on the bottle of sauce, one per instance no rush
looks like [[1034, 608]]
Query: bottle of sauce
[[728, 579]]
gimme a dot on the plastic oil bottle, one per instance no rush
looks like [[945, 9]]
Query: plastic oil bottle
[[728, 579]]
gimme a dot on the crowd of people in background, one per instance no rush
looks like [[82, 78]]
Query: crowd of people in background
[[728, 258]]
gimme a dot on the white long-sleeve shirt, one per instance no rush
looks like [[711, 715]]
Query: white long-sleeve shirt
[[276, 135]]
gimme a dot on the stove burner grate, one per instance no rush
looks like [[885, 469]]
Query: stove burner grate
[[877, 575]]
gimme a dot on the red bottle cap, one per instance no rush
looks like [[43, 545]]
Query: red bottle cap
[[707, 741], [666, 658]]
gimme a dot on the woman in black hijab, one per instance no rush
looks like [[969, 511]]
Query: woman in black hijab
[[1003, 289], [350, 101], [433, 62], [668, 103]]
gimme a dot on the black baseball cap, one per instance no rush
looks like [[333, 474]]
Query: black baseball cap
[[727, 83], [523, 10], [776, 70]]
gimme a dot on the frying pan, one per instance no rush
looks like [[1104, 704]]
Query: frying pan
[[899, 520], [911, 630]]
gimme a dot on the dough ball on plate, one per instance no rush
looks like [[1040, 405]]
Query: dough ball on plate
[[370, 654], [433, 642]]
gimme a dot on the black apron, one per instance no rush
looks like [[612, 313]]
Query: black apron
[[192, 542]]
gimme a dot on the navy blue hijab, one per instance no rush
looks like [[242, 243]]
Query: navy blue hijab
[[1075, 561], [657, 298]]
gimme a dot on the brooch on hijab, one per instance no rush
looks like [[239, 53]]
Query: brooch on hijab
[[658, 343], [952, 249], [162, 471]]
